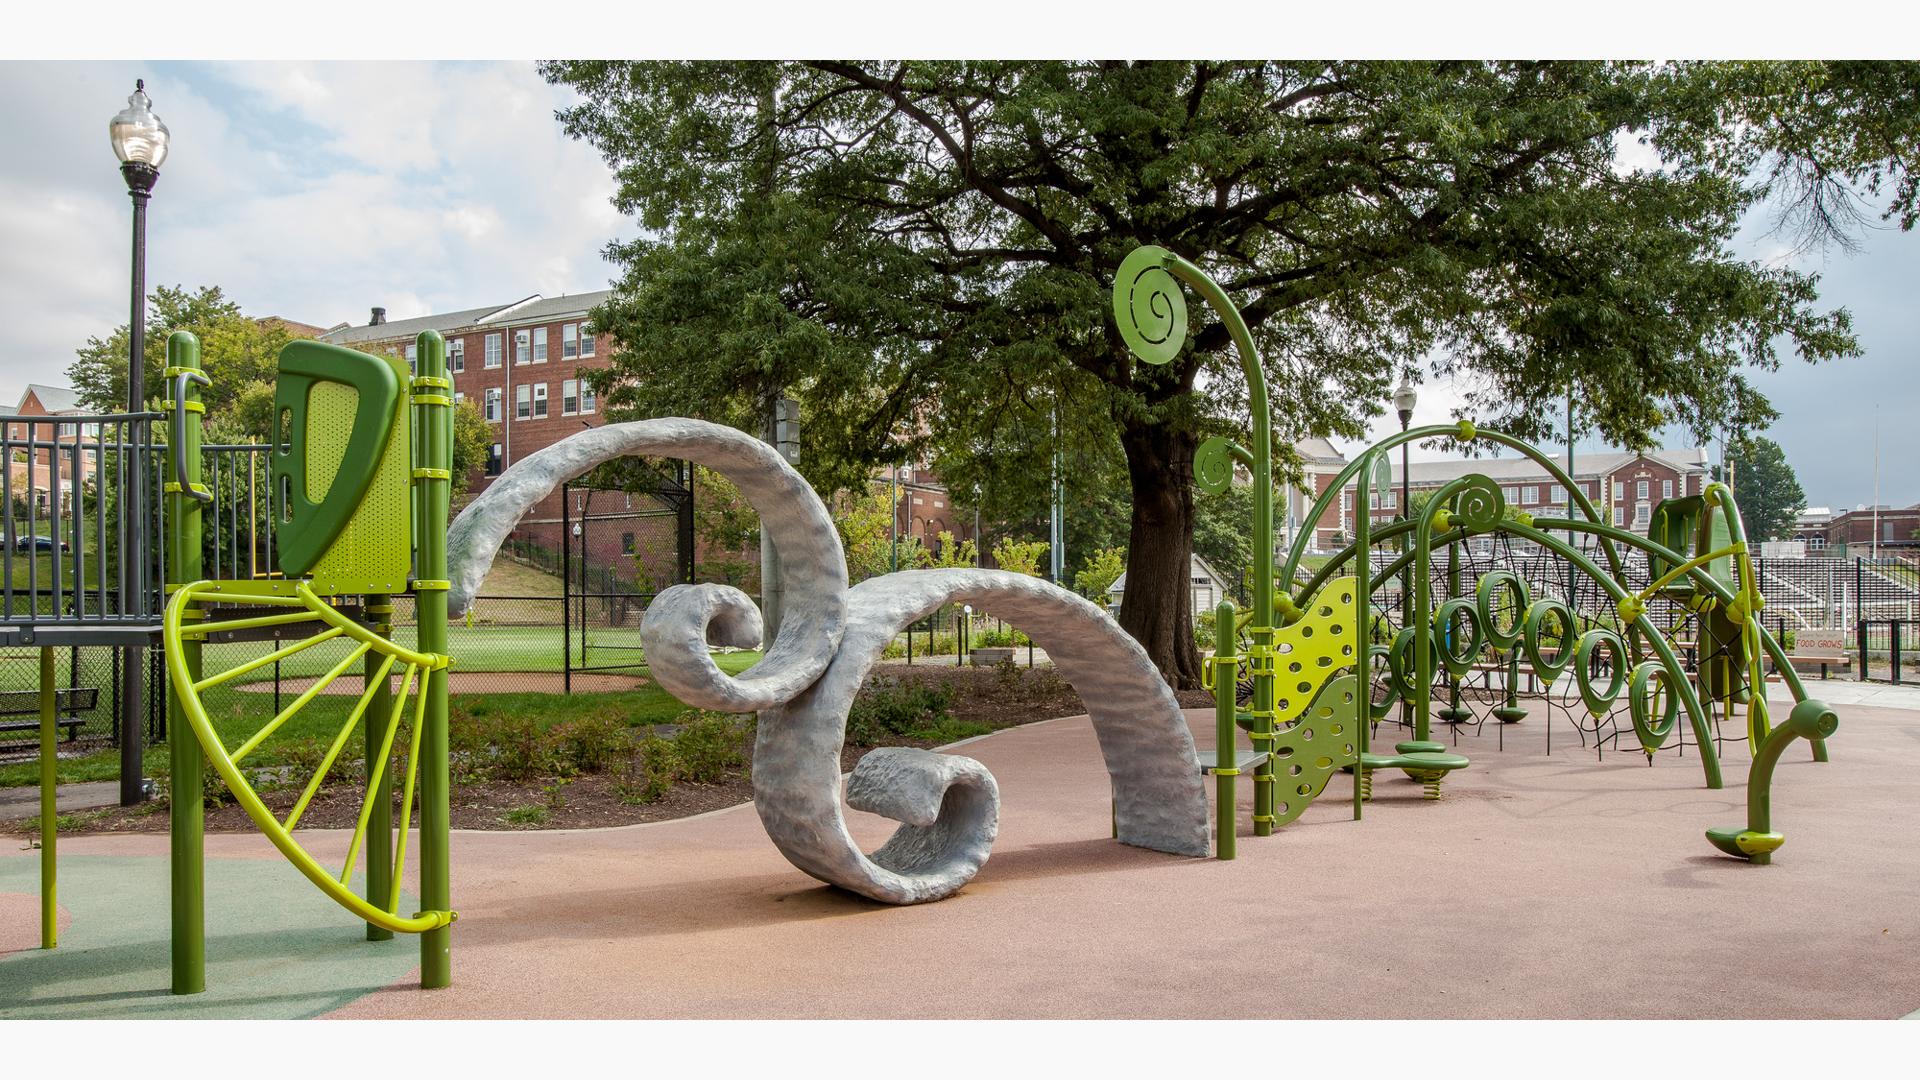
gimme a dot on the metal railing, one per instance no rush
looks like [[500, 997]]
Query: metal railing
[[78, 543]]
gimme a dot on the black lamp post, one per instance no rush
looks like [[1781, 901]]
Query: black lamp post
[[1404, 399], [140, 142]]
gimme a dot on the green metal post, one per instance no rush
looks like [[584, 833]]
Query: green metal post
[[49, 808], [379, 843], [185, 761], [1260, 655], [1225, 682], [434, 418], [1811, 720]]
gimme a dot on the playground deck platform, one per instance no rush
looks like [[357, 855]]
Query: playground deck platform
[[1540, 886]]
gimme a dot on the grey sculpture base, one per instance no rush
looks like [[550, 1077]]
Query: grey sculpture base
[[829, 638]]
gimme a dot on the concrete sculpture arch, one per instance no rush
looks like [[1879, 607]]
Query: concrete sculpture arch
[[828, 641], [947, 804]]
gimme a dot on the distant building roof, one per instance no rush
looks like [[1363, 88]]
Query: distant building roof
[[54, 399], [296, 326], [545, 309], [404, 328], [1318, 451]]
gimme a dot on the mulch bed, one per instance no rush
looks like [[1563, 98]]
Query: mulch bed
[[982, 696]]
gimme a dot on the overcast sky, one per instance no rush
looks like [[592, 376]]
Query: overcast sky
[[315, 191]]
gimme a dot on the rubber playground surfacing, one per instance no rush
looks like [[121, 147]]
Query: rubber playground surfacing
[[1540, 886]]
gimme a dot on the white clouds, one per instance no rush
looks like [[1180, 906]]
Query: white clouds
[[309, 190]]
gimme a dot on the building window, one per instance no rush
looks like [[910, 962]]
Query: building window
[[493, 460], [1640, 490], [586, 340], [412, 361], [539, 344], [586, 397], [539, 400], [1619, 515], [1641, 513], [626, 545], [522, 402], [1666, 489], [1511, 494], [1530, 494], [493, 403], [457, 355], [569, 340], [1619, 492], [569, 397], [459, 397], [522, 347], [493, 350]]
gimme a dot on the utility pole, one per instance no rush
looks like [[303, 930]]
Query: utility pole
[[1057, 541], [783, 431]]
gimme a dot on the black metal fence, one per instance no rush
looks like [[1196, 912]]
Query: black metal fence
[[1883, 648]]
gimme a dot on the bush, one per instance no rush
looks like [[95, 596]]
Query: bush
[[709, 746], [647, 775], [999, 639], [588, 744], [888, 707]]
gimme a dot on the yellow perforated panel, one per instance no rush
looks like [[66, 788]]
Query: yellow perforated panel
[[374, 553], [330, 409]]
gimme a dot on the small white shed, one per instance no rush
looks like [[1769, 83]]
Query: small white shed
[[1206, 583]]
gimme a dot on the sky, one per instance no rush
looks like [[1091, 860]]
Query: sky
[[316, 190]]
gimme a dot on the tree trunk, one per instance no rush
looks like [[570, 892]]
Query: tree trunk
[[1157, 606]]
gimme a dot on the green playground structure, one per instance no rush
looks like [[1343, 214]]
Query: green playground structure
[[1611, 623], [360, 466], [1653, 625]]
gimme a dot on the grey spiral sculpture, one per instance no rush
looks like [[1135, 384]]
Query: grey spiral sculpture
[[829, 639]]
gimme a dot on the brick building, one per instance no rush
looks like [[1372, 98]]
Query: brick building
[[1625, 487], [34, 469], [1863, 530], [523, 364]]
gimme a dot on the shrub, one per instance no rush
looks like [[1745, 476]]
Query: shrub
[[709, 746], [999, 639], [888, 707], [647, 775], [588, 744]]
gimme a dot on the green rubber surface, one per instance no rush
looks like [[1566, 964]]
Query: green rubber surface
[[277, 949]]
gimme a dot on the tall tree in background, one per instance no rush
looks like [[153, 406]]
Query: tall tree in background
[[239, 354], [1765, 487], [923, 252]]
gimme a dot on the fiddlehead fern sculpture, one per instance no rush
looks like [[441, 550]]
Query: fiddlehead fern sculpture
[[829, 638]]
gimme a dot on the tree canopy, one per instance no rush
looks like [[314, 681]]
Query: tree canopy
[[922, 253], [1765, 487]]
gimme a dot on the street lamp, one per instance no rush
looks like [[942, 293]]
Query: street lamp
[[140, 142], [1404, 399]]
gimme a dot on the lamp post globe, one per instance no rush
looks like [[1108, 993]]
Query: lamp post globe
[[1403, 401], [139, 136]]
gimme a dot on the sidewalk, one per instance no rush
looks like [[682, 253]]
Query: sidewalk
[[19, 803]]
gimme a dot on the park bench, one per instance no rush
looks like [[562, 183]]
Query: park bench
[[68, 704], [1809, 657]]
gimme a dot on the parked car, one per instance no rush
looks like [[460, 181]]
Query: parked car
[[38, 543]]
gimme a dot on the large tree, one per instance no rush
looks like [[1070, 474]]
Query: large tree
[[1765, 487], [923, 252]]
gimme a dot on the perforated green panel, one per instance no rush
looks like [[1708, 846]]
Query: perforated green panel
[[1306, 755], [374, 553]]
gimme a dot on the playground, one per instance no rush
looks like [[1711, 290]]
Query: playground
[[1479, 763], [1541, 886]]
